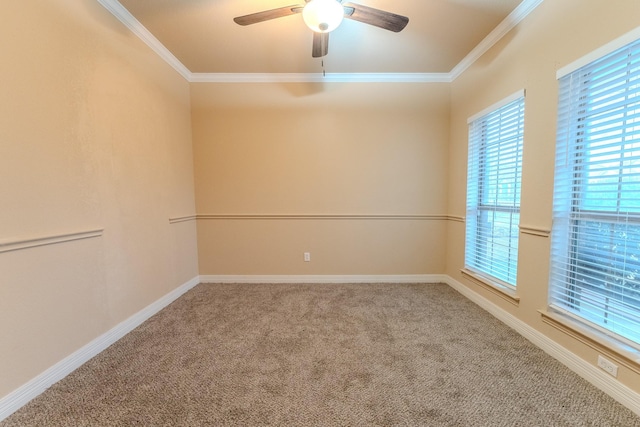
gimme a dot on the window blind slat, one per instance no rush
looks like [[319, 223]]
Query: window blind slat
[[595, 247], [493, 191]]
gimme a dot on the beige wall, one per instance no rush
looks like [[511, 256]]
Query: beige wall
[[326, 150], [94, 134], [555, 34]]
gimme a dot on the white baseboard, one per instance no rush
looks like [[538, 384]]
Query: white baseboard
[[21, 396], [401, 278], [586, 370]]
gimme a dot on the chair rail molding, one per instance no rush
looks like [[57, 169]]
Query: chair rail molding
[[535, 230], [185, 218], [10, 245], [415, 217]]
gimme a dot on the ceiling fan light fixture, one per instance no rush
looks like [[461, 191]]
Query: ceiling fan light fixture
[[323, 16]]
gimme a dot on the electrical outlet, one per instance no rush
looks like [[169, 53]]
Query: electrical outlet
[[608, 366], [307, 256]]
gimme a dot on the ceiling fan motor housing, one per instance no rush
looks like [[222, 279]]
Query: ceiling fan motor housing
[[323, 16]]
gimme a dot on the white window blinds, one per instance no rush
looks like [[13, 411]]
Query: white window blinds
[[595, 258], [493, 190]]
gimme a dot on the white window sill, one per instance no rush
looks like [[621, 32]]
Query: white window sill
[[611, 348], [495, 288]]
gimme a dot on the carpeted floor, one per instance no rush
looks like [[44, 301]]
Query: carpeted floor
[[323, 355]]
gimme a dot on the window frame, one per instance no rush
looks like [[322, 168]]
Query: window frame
[[568, 284], [480, 267]]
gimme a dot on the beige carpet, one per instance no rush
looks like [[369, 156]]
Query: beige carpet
[[323, 355]]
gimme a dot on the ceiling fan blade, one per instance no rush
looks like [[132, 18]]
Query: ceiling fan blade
[[320, 45], [376, 17], [266, 15]]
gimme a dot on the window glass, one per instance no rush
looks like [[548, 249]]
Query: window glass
[[595, 263], [493, 191]]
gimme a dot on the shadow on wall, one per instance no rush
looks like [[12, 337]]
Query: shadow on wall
[[307, 89]]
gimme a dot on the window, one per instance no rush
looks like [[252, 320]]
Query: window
[[493, 190], [595, 258]]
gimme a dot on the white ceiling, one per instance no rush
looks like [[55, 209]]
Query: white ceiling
[[199, 36]]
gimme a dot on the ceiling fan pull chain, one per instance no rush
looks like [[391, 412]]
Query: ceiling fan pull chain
[[323, 16]]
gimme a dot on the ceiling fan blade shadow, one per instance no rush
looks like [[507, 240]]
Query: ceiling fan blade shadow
[[376, 17], [267, 15], [320, 45]]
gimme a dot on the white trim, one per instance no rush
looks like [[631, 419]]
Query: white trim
[[402, 278], [320, 78], [620, 350], [495, 286], [589, 372], [513, 19], [22, 395], [608, 48], [124, 16], [34, 242], [508, 100]]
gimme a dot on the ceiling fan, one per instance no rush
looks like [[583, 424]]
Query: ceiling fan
[[324, 16]]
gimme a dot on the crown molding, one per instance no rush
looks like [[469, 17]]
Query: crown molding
[[124, 16], [513, 19], [320, 78]]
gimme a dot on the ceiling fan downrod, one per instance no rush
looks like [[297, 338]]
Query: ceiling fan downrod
[[324, 16]]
